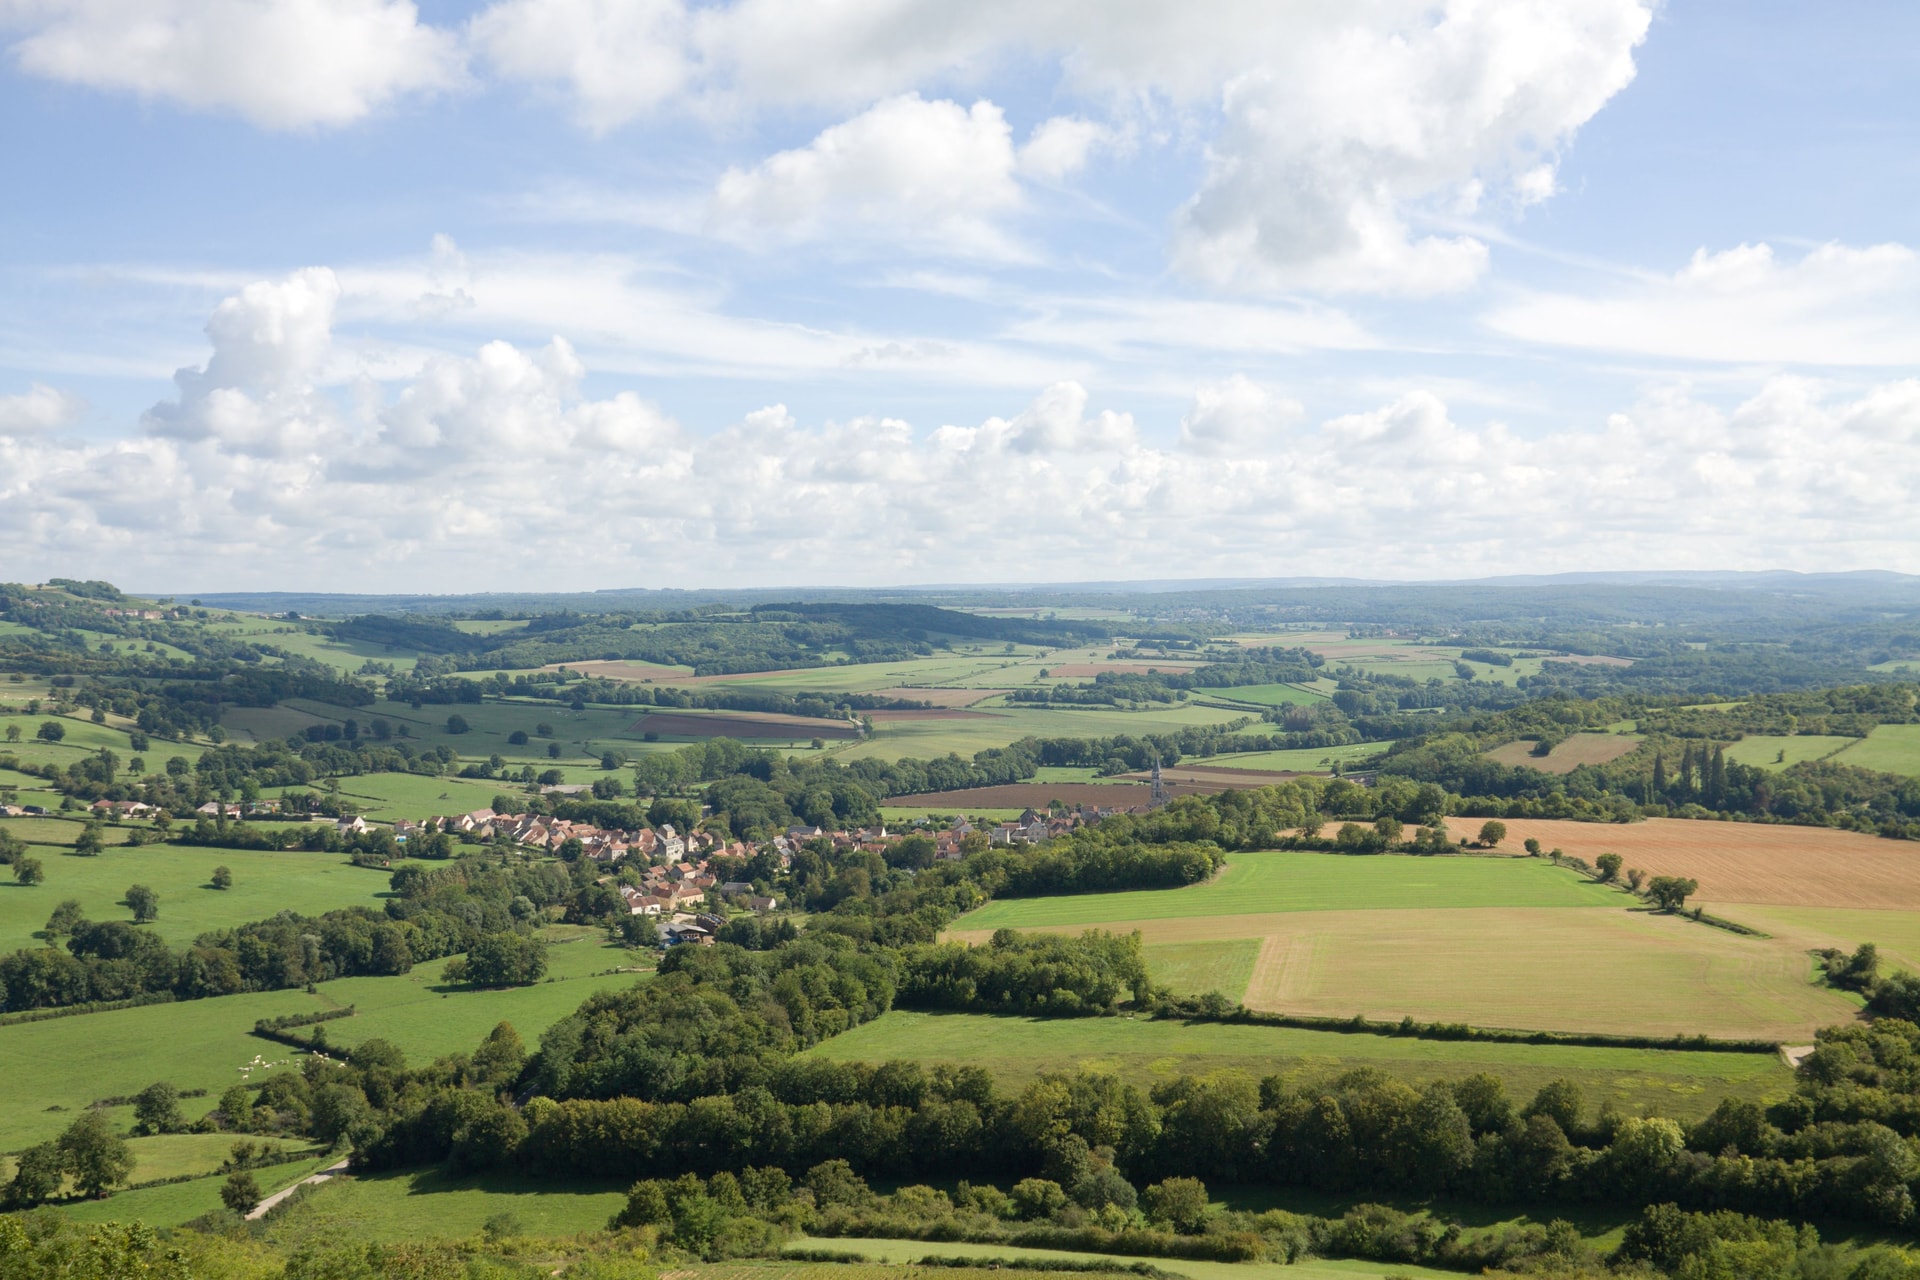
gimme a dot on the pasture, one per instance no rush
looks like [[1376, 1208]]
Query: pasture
[[1568, 754], [935, 736], [1302, 760], [1494, 942], [264, 884], [175, 1203], [1741, 862], [1275, 882], [430, 1204], [1777, 751], [1895, 933], [1266, 695], [1195, 968], [1146, 1052], [1007, 1261], [1889, 748], [386, 797]]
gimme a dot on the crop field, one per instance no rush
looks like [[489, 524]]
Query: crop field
[[1777, 751], [264, 884], [1575, 750], [1145, 1052], [1261, 883], [1607, 971], [1750, 862], [430, 1204]]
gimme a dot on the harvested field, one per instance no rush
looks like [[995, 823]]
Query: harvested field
[[740, 724], [1895, 933], [941, 697], [1747, 862], [1576, 750]]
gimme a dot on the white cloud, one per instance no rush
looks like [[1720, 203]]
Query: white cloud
[[283, 64], [931, 171], [1834, 306], [621, 58], [1340, 128], [39, 408], [1238, 417]]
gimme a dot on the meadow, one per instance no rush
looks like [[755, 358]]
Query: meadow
[[387, 797], [996, 727], [1266, 695], [1302, 760], [1269, 882], [1195, 968], [1777, 751], [431, 1204], [1146, 1051], [64, 1064], [1006, 1259], [264, 884], [175, 1203], [1889, 748]]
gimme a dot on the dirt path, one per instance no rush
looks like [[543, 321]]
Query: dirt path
[[325, 1175]]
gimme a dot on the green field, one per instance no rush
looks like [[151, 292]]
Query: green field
[[1016, 1050], [908, 1251], [1890, 748], [430, 1204], [1304, 760], [386, 797], [1260, 883], [1777, 751], [1266, 695], [1195, 968], [264, 884], [177, 1155], [179, 1202], [66, 1063], [996, 727]]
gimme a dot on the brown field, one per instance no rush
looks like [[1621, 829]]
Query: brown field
[[1534, 968], [1576, 750], [1088, 670], [740, 724], [940, 697], [935, 713], [1739, 862]]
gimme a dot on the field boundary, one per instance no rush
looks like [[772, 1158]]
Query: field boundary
[[1195, 1010]]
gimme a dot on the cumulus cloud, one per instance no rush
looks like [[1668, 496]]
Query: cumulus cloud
[[1237, 417], [1341, 129], [282, 64], [1835, 305], [39, 408], [933, 170]]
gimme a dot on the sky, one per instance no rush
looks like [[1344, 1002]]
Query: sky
[[366, 295]]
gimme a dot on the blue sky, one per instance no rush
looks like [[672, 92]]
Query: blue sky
[[577, 293]]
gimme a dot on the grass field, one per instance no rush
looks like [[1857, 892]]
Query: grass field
[[1777, 751], [176, 1155], [1266, 695], [179, 1202], [1890, 748], [1304, 760], [1569, 754], [996, 727], [1489, 941], [385, 797], [1016, 1050], [264, 884], [1195, 968], [429, 1204], [1895, 933], [1259, 883], [67, 1063], [1750, 862], [898, 1252]]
